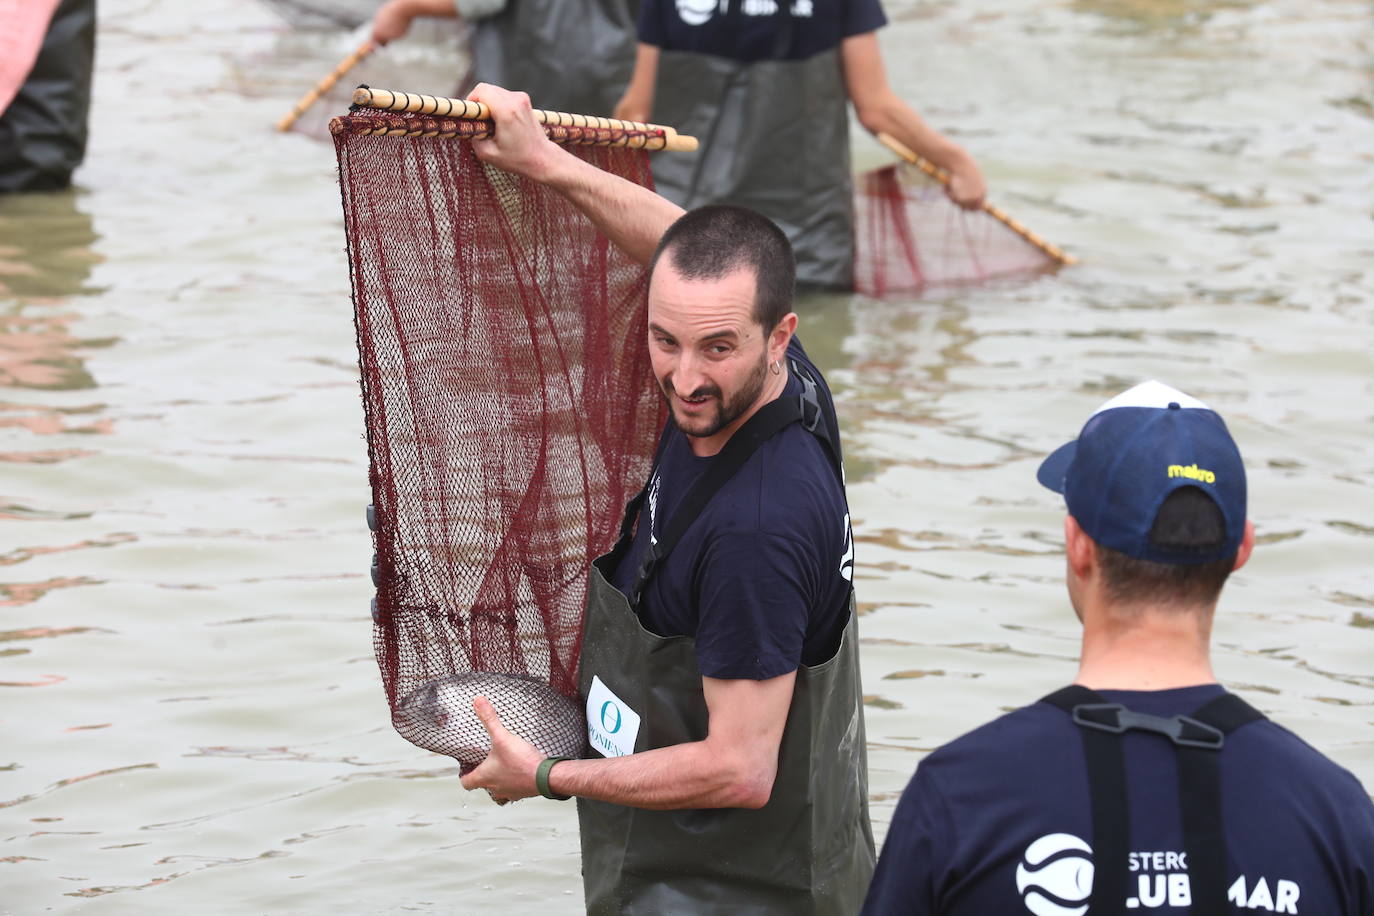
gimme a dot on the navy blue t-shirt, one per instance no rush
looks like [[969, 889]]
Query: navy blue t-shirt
[[706, 27], [761, 580], [999, 821]]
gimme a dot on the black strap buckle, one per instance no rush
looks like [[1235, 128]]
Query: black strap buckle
[[809, 400], [1184, 731]]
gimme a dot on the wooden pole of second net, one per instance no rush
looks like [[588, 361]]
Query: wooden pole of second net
[[468, 110], [326, 84], [997, 213]]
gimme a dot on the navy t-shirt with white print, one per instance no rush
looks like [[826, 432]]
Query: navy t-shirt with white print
[[1000, 821], [704, 26], [761, 580]]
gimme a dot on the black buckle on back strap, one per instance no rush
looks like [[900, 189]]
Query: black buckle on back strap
[[1184, 731], [810, 403]]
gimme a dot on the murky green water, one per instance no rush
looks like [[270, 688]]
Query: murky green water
[[191, 716]]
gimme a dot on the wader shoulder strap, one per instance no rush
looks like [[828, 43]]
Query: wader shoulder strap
[[1197, 739], [1110, 811], [782, 41], [1199, 784], [770, 419]]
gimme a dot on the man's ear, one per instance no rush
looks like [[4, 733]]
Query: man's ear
[[1079, 550], [1247, 544], [781, 336]]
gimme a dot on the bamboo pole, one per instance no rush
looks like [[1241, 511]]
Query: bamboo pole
[[997, 213], [468, 110], [326, 84], [395, 125]]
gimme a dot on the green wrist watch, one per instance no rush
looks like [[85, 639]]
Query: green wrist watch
[[541, 778]]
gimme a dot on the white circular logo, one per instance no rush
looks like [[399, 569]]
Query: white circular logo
[[695, 12], [1055, 877]]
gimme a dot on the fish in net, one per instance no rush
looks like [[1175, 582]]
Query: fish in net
[[438, 716], [510, 414], [910, 237]]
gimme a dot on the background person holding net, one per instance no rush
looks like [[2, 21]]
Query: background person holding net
[[719, 660], [571, 55], [765, 85]]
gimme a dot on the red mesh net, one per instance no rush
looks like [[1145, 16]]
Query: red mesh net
[[910, 236], [511, 412]]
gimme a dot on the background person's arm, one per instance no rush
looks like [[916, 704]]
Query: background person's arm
[[632, 217], [393, 18], [881, 110], [637, 104], [733, 767]]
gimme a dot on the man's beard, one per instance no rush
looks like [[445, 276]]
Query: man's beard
[[727, 411]]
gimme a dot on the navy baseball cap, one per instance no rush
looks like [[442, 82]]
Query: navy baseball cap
[[1132, 453]]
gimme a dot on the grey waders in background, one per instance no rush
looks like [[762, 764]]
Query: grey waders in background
[[775, 138], [568, 55], [808, 851]]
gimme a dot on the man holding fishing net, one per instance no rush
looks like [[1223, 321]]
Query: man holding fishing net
[[719, 662]]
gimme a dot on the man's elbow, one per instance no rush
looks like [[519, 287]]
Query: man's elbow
[[872, 117], [748, 786]]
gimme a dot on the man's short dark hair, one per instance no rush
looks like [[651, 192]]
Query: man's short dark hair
[[1188, 522], [711, 242]]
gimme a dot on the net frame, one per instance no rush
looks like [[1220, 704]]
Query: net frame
[[510, 405]]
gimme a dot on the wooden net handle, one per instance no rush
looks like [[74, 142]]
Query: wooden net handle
[[997, 213], [326, 84], [468, 110], [396, 125]]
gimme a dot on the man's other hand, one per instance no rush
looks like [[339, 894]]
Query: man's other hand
[[391, 22], [966, 186]]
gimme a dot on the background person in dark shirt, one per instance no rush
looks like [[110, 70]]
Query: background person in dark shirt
[[1050, 813], [724, 709], [765, 85]]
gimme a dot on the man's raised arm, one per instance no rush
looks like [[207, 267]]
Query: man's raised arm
[[632, 217]]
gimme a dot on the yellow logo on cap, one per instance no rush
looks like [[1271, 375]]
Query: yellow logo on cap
[[1192, 472]]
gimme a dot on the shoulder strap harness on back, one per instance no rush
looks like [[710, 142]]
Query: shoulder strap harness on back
[[1197, 739]]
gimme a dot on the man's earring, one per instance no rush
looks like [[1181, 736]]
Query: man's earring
[[777, 367]]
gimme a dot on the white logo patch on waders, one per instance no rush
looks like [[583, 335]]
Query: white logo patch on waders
[[612, 725]]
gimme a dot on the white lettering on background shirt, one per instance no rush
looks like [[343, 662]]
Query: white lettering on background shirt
[[699, 12], [847, 558], [1056, 874]]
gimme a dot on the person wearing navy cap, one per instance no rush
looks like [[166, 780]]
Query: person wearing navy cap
[[1144, 785]]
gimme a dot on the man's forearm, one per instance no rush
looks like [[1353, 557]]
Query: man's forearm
[[899, 120], [637, 103], [690, 775], [632, 217]]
